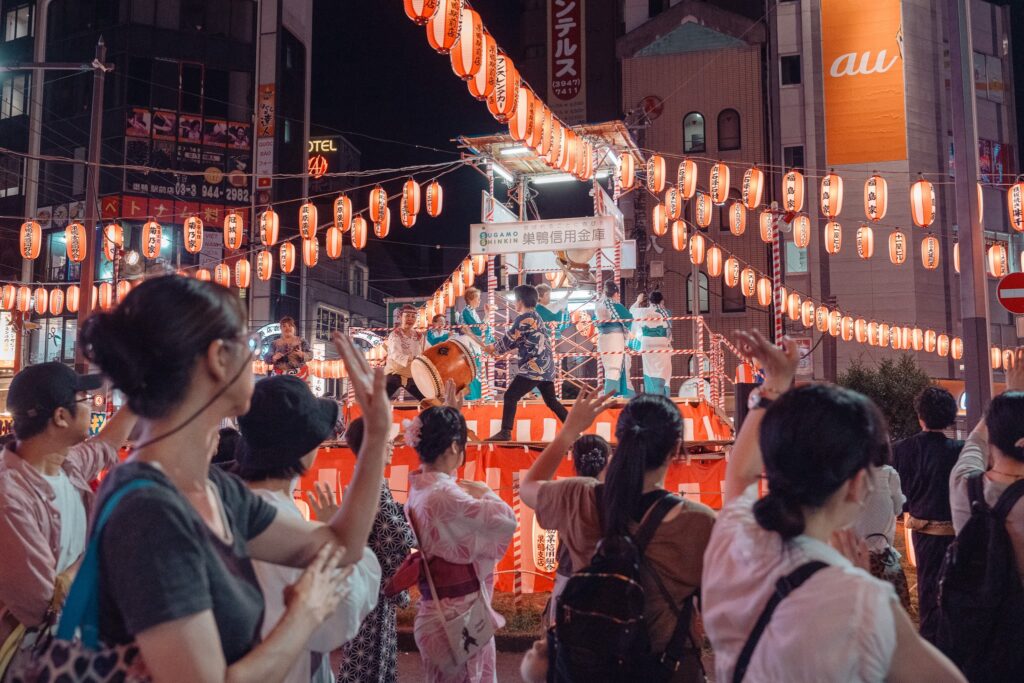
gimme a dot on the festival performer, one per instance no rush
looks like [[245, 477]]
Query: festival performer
[[403, 344], [437, 332], [479, 335], [654, 331], [536, 362], [551, 313], [289, 352], [613, 322]]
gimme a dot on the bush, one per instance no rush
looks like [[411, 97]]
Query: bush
[[892, 384]]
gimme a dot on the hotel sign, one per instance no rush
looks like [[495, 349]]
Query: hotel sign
[[567, 79], [560, 234]]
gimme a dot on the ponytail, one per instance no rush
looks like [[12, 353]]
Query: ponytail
[[781, 514]]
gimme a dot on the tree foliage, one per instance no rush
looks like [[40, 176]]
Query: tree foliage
[[892, 384]]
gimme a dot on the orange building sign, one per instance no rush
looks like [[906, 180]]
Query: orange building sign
[[862, 61]]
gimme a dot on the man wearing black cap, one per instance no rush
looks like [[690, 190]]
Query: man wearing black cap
[[281, 434], [45, 498]]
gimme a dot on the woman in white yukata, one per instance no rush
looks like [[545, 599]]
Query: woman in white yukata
[[463, 528], [654, 331]]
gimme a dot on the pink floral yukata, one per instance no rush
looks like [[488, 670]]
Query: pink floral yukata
[[458, 528]]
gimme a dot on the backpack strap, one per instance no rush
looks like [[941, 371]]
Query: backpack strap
[[652, 520], [783, 587], [976, 491], [1008, 499]]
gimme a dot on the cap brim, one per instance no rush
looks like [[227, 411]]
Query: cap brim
[[88, 382]]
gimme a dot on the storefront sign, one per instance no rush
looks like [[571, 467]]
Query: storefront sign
[[592, 232], [567, 82], [265, 111]]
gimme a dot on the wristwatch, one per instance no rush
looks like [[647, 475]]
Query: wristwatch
[[761, 397]]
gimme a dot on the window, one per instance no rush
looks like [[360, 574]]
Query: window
[[18, 23], [728, 130], [360, 280], [693, 132], [796, 259], [705, 305], [733, 300], [192, 88], [10, 176], [327, 321], [793, 157], [70, 335], [790, 69], [13, 96]]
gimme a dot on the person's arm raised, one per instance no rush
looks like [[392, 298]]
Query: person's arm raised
[[744, 464], [588, 406]]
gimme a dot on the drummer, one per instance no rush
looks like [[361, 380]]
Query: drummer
[[437, 332], [613, 322], [478, 334], [403, 344], [654, 330], [289, 352]]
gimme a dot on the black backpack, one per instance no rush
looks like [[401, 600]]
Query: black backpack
[[981, 599], [600, 633]]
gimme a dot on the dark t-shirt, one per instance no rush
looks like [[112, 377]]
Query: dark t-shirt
[[159, 561], [924, 462]]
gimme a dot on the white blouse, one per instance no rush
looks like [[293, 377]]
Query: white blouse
[[838, 626]]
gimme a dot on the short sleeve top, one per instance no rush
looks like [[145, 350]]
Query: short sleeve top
[[159, 561]]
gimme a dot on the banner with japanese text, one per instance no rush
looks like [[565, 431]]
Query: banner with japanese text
[[591, 232], [567, 79]]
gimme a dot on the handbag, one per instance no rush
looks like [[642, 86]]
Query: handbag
[[75, 652], [467, 633]]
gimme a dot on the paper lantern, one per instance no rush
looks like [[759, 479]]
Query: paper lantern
[[781, 296], [719, 183], [383, 227], [767, 230], [748, 282], [520, 126], [737, 218], [434, 199], [106, 298], [479, 264], [930, 252], [872, 333], [378, 203], [444, 24], [307, 221], [865, 242], [731, 272], [860, 330], [981, 205], [956, 348], [40, 300], [680, 236], [23, 300], [76, 241], [997, 260], [876, 198], [702, 210], [801, 231], [897, 247], [764, 291], [30, 239], [72, 299], [264, 265], [835, 323], [504, 98], [883, 334], [831, 195], [152, 239], [222, 275], [713, 260], [956, 256], [359, 232], [234, 230], [697, 249], [420, 10], [833, 237], [656, 174], [793, 191], [627, 171], [752, 188], [333, 242], [8, 297], [311, 252], [113, 240], [466, 272], [268, 225], [243, 273], [541, 116], [449, 294], [193, 234], [686, 178], [458, 286], [1015, 205], [1009, 359], [793, 306], [922, 203], [930, 341], [659, 220], [467, 56], [673, 204], [942, 345], [917, 339], [287, 256], [821, 318], [343, 213], [122, 289], [807, 311], [481, 85]]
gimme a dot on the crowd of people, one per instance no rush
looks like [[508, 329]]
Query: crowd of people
[[179, 568]]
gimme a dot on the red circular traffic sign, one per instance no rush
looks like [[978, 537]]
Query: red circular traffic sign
[[1011, 293]]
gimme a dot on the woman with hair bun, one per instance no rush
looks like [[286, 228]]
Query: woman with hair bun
[[462, 528], [780, 602]]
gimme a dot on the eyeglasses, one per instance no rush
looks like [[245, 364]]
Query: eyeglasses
[[85, 399]]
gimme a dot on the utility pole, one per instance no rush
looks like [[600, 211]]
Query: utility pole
[[973, 286]]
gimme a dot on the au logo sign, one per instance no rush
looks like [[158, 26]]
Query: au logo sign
[[317, 166]]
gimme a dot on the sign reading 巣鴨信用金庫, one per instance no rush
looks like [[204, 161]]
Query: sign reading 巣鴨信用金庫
[[862, 64], [592, 232]]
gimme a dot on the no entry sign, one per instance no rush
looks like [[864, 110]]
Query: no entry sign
[[1011, 293]]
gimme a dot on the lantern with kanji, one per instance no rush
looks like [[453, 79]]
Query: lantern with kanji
[[835, 323], [264, 265], [268, 226], [467, 56], [382, 227], [659, 220], [481, 85], [307, 220], [673, 204], [956, 348], [222, 274], [846, 327], [917, 339], [719, 183], [73, 298], [656, 174], [113, 240], [702, 210], [713, 260], [434, 198], [731, 272], [57, 302], [466, 273], [359, 232], [30, 239], [930, 341], [40, 299], [737, 218], [152, 239], [106, 297], [378, 203], [503, 99], [807, 313], [627, 171], [521, 121], [997, 260], [410, 200], [752, 188], [8, 297], [801, 231], [343, 213], [764, 291], [680, 236], [872, 333], [479, 264], [1015, 205], [767, 229], [193, 234], [930, 252], [310, 252], [833, 237], [420, 11], [831, 195], [443, 25], [922, 203], [122, 289], [287, 256], [898, 247], [686, 178], [243, 273], [821, 314], [698, 246], [234, 230], [23, 300], [333, 242], [76, 241], [748, 281], [793, 306], [876, 198], [942, 345], [793, 191], [865, 242]]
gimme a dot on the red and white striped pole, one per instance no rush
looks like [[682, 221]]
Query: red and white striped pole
[[517, 543], [492, 288], [777, 280]]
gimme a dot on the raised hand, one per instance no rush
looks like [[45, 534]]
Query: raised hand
[[452, 398], [585, 410], [779, 364], [369, 386], [1015, 372], [322, 501]]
